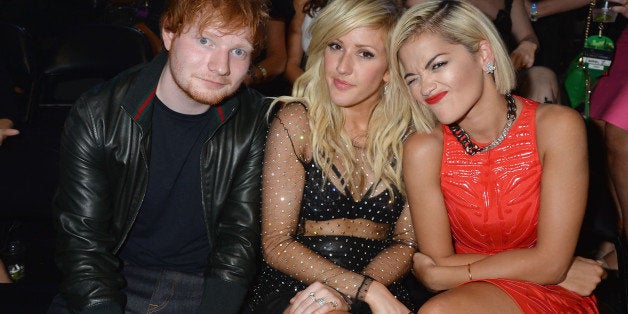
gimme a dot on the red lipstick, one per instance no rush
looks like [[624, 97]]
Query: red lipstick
[[435, 98]]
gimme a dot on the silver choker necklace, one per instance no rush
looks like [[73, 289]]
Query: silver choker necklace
[[465, 140]]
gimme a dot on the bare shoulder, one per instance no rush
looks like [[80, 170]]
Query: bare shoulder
[[424, 146], [556, 119], [559, 128]]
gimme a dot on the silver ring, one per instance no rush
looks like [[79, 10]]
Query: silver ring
[[320, 301]]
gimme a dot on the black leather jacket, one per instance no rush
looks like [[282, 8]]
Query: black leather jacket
[[104, 169]]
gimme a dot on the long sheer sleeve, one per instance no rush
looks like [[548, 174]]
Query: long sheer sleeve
[[287, 151], [396, 260]]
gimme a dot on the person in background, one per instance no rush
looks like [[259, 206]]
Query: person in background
[[609, 110], [159, 190], [497, 190], [543, 8], [336, 231], [557, 25], [266, 74], [299, 37]]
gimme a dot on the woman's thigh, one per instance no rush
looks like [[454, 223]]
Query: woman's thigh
[[474, 297]]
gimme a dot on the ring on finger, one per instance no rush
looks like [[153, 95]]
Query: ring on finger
[[333, 303], [320, 301]]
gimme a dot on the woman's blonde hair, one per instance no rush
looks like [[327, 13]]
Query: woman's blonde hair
[[457, 22], [389, 121]]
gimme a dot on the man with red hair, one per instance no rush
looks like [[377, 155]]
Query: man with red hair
[[159, 192]]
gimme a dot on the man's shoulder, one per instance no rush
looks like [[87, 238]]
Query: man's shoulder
[[247, 96], [127, 89], [111, 89], [250, 101]]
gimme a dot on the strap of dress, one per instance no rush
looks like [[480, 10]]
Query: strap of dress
[[342, 181]]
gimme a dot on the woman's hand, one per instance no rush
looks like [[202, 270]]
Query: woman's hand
[[317, 298], [6, 129], [381, 301], [621, 7], [583, 276], [422, 266], [523, 56]]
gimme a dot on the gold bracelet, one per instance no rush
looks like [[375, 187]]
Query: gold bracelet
[[469, 271]]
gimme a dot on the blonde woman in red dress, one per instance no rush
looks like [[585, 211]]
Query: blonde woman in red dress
[[497, 189]]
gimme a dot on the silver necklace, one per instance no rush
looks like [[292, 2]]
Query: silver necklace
[[465, 140]]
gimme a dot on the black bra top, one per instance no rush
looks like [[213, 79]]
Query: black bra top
[[322, 200]]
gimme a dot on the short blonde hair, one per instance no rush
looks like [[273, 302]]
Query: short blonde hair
[[459, 23]]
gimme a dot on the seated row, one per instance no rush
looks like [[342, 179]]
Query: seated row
[[400, 148]]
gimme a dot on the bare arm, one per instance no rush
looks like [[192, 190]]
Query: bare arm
[[294, 48], [275, 61], [421, 174], [551, 7], [527, 42]]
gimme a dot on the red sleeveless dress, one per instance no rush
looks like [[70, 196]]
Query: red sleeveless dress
[[493, 200]]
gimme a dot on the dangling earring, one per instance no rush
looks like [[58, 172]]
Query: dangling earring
[[386, 89], [490, 67]]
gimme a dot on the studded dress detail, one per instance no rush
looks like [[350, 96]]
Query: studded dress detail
[[493, 201], [315, 230]]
